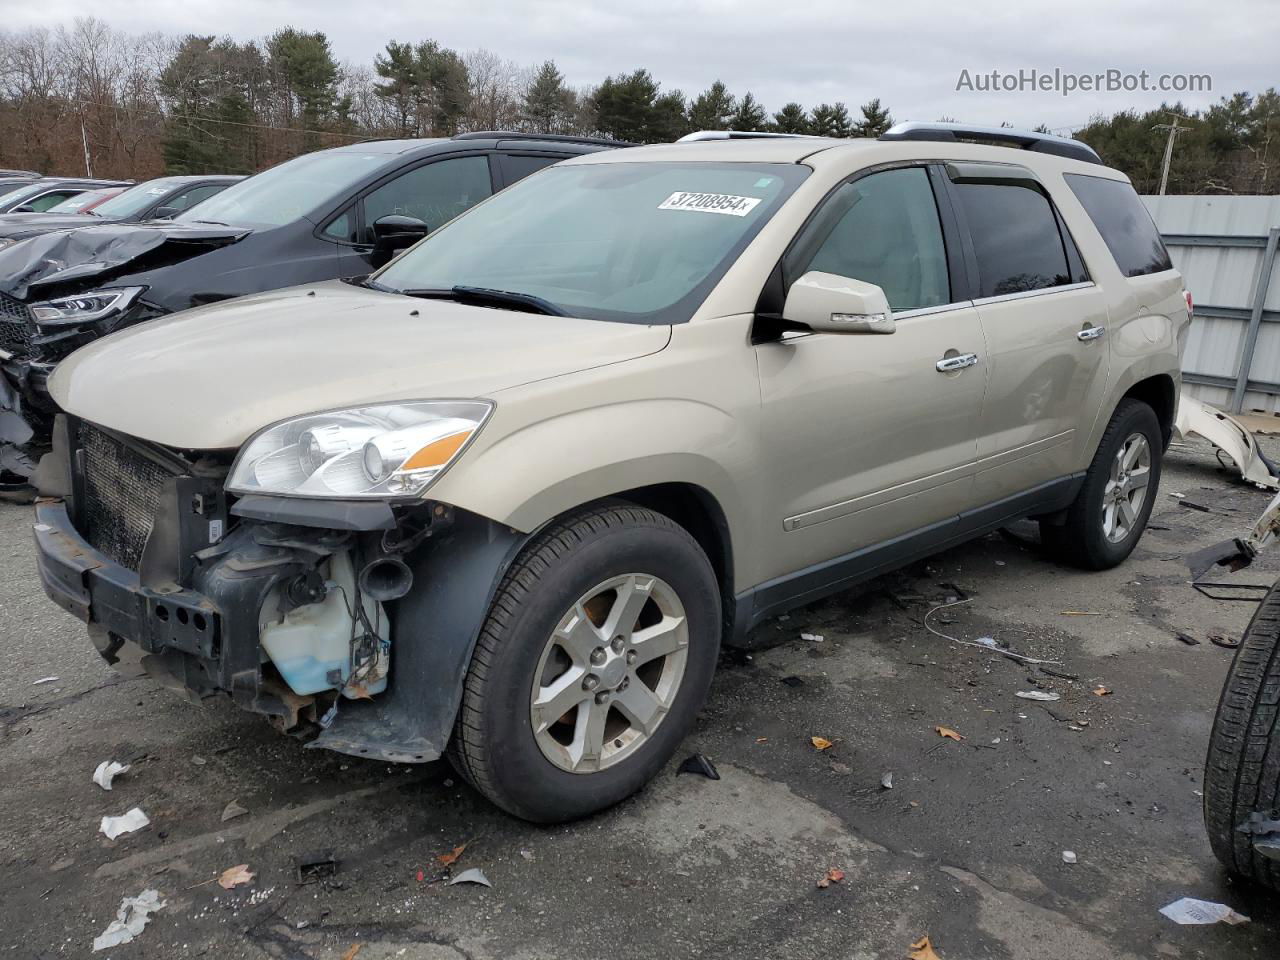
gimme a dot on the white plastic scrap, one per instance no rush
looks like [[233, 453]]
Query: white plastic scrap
[[132, 916], [1068, 856], [1189, 910], [36, 683], [1038, 695], [473, 875], [113, 827], [813, 637], [107, 771], [886, 781]]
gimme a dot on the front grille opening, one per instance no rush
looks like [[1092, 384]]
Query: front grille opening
[[15, 326], [122, 490]]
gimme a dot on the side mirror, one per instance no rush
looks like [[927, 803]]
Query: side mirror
[[166, 213], [827, 303], [25, 208], [396, 232]]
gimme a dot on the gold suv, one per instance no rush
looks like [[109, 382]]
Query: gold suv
[[504, 499]]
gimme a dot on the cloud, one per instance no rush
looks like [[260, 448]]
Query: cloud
[[910, 54]]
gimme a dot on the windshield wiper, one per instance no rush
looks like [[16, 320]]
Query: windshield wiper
[[489, 297], [214, 223]]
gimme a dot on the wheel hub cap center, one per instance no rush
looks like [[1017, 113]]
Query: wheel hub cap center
[[612, 672]]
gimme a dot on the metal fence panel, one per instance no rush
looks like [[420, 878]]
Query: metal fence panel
[[1223, 246]]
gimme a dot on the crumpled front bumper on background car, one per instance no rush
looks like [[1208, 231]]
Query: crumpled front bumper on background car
[[173, 579]]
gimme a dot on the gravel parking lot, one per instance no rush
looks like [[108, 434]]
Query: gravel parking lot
[[967, 846]]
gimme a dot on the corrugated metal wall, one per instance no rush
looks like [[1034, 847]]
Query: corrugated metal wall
[[1222, 245]]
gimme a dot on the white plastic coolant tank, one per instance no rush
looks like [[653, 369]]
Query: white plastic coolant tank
[[312, 641]]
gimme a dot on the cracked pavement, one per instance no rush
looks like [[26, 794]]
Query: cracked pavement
[[966, 846]]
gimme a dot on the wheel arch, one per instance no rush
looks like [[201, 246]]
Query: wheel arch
[[1161, 394]]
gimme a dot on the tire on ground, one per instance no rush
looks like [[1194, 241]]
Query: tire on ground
[[493, 745], [1242, 770], [1080, 540]]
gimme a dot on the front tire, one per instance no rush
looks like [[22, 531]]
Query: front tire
[[594, 660], [1109, 514], [1242, 770]]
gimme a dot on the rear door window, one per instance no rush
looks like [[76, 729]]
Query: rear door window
[[187, 200], [434, 193], [41, 204], [1016, 238], [517, 166], [1123, 221]]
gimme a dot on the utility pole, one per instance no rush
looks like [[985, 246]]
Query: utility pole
[[88, 169], [1174, 130]]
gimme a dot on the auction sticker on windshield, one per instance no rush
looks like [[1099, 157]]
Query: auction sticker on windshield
[[710, 203]]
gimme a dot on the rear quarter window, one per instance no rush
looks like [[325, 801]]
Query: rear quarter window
[[1125, 225]]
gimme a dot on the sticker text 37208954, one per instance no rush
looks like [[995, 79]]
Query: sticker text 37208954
[[710, 203]]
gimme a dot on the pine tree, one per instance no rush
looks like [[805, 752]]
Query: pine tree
[[713, 109], [823, 120], [750, 115], [875, 119], [669, 117], [548, 104], [841, 124], [791, 119], [624, 106]]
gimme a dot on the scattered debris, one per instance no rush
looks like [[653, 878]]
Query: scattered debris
[[449, 859], [131, 917], [1194, 506], [527, 855], [1068, 856], [113, 827], [793, 681], [198, 760], [1079, 613], [948, 733], [318, 865], [1042, 695], [1220, 641], [1059, 674], [886, 781], [36, 683], [1190, 641], [352, 950], [235, 876], [107, 771], [762, 739], [922, 949], [232, 810], [981, 644], [821, 743], [1189, 910], [1101, 691], [814, 637], [833, 876], [697, 763], [473, 875]]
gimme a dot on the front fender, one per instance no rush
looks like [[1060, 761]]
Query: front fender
[[531, 475]]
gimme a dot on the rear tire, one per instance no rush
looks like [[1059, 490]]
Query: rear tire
[[1106, 520], [1242, 770], [565, 710]]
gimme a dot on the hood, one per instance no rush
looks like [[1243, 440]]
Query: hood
[[20, 225], [211, 377], [103, 248]]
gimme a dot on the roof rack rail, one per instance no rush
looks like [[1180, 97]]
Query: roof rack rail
[[556, 137], [1026, 139], [700, 135]]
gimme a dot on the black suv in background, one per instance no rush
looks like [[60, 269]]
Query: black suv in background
[[323, 215], [159, 199]]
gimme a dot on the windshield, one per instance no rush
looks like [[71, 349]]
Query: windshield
[[14, 196], [639, 242], [135, 199], [287, 192]]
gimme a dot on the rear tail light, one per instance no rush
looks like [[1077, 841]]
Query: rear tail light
[[1191, 307]]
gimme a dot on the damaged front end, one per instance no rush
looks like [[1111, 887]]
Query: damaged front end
[[349, 622]]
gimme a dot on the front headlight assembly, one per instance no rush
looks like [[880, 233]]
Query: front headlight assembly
[[391, 450], [84, 307]]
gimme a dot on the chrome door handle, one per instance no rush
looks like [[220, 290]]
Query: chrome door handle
[[948, 364], [1091, 333]]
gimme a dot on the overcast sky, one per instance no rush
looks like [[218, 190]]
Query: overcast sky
[[910, 54]]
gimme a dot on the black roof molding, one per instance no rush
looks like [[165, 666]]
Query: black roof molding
[[1006, 136], [546, 137]]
